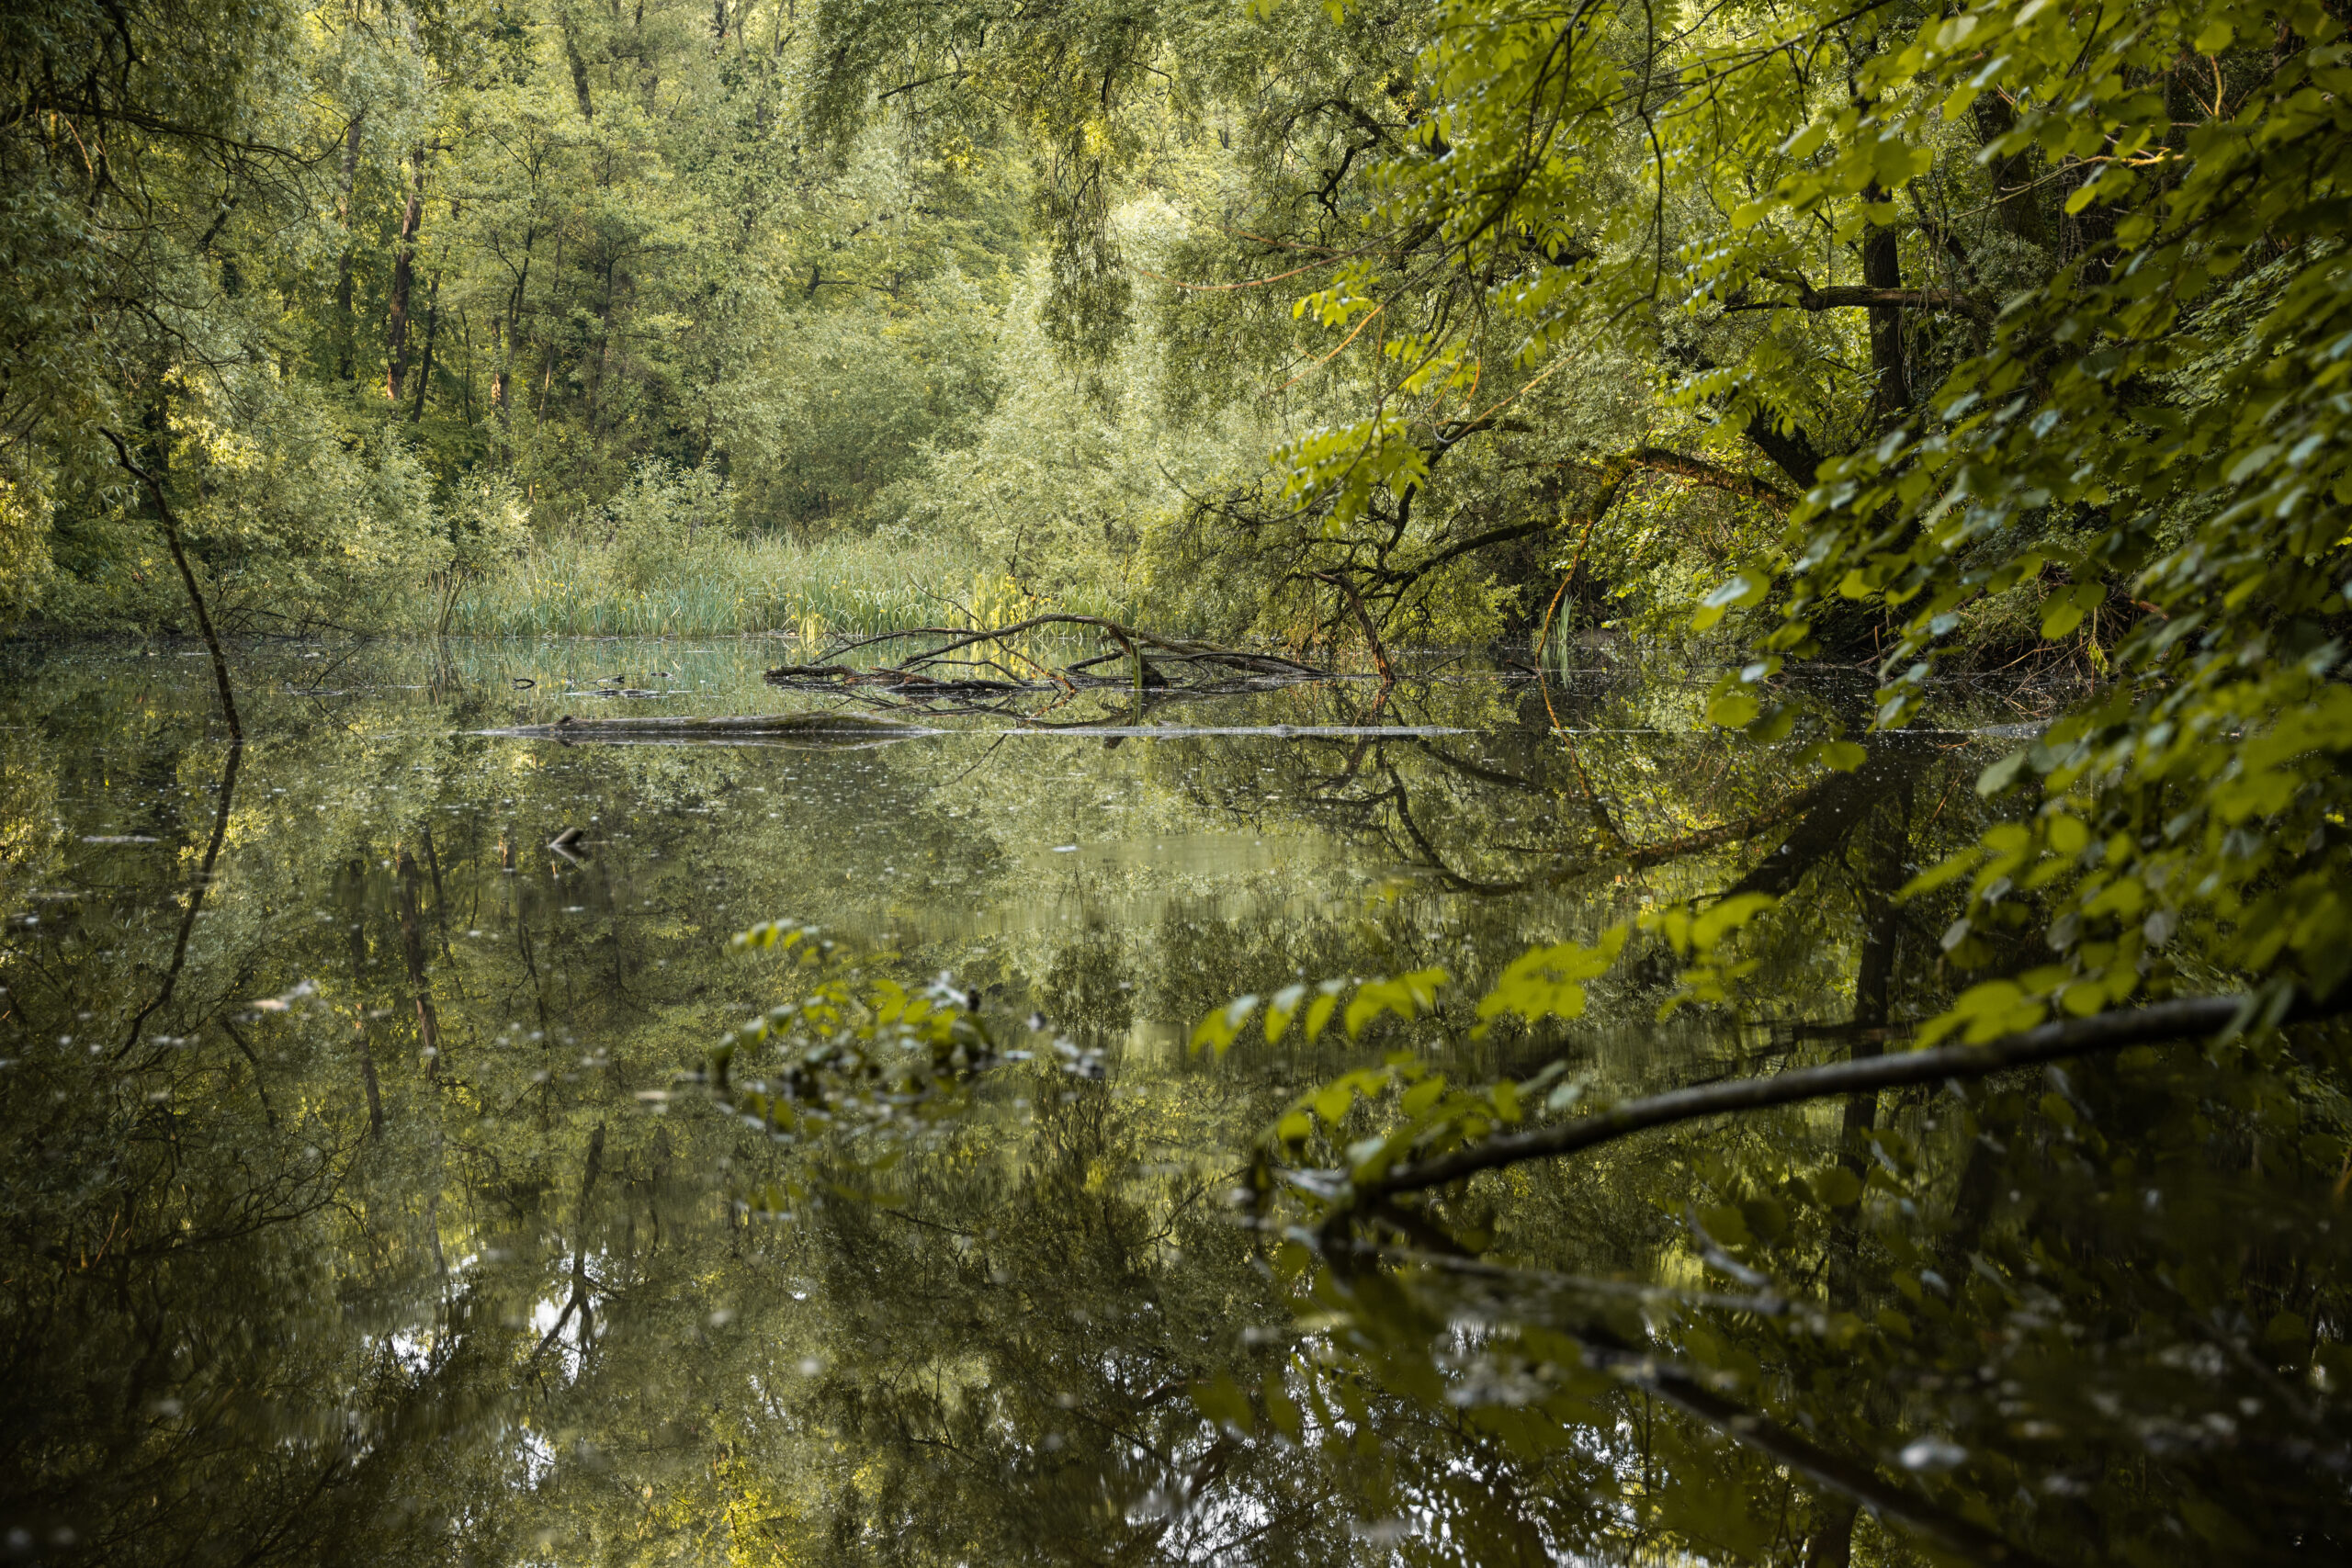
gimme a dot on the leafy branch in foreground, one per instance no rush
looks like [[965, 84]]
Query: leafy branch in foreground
[[1836, 1356], [1441, 1134], [857, 1052], [2187, 1018]]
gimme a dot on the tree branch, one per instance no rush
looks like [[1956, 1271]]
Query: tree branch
[[188, 580], [2189, 1017], [1849, 296], [1371, 637], [1699, 472]]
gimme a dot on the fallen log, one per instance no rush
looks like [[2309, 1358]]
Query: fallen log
[[797, 726]]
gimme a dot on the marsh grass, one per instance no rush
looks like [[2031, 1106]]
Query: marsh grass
[[718, 586]]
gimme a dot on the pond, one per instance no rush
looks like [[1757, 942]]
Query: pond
[[393, 1180]]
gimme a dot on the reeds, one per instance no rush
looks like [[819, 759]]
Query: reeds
[[565, 587]]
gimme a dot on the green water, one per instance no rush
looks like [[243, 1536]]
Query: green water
[[377, 1204]]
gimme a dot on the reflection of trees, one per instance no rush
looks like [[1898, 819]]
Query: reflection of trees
[[243, 1324], [1016, 1351], [1535, 811]]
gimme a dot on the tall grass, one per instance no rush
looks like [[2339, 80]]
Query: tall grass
[[565, 587]]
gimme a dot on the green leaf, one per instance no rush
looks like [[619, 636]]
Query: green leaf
[[1282, 1410], [2000, 776], [2065, 612], [1404, 995], [1279, 1011], [1219, 1029], [1544, 982], [1732, 710], [1837, 1187], [1806, 141], [1422, 1095], [1727, 916]]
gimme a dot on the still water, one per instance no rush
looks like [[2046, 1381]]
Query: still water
[[375, 1193]]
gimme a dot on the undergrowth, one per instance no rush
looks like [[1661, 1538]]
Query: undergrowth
[[718, 586]]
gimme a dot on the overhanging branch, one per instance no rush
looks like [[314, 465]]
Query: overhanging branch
[[1847, 296], [2188, 1018]]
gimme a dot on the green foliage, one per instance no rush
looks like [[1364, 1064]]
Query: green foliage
[[850, 1048], [345, 273], [2177, 397], [1548, 982], [2120, 385]]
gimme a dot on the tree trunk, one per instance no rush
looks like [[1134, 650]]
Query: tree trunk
[[346, 329], [1883, 268], [424, 361], [2015, 204], [604, 359], [351, 896], [578, 67], [499, 351], [403, 276], [2083, 236], [1831, 1544], [504, 341], [1874, 976]]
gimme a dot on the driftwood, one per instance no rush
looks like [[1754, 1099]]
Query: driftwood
[[1154, 665]]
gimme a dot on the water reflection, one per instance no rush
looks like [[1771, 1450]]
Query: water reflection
[[365, 1204]]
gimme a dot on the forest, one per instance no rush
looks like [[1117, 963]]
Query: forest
[[516, 320], [1178, 781]]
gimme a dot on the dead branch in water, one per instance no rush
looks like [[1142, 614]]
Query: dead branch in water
[[1149, 659]]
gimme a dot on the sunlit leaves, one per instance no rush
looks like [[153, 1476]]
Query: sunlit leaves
[[1217, 1029], [1405, 997], [2064, 612], [1986, 1012], [1741, 589], [1703, 936], [1547, 982], [856, 1048]]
